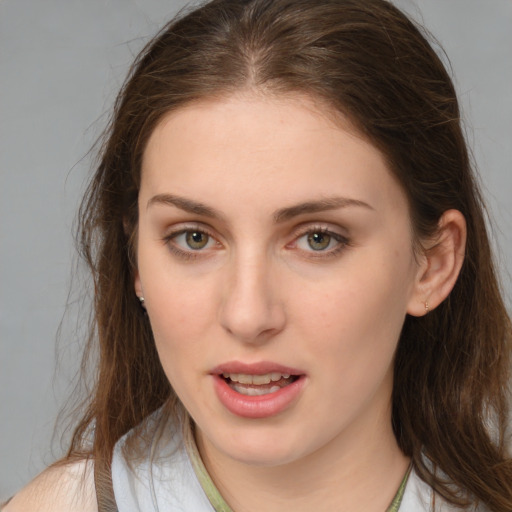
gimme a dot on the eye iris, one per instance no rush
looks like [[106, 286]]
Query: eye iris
[[196, 239], [319, 241]]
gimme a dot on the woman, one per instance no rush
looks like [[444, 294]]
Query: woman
[[295, 302]]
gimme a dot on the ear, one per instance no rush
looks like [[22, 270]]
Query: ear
[[440, 264], [131, 232], [138, 285]]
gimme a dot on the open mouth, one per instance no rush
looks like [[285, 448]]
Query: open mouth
[[258, 385], [258, 390]]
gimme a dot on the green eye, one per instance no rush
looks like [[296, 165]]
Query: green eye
[[189, 243], [319, 241], [196, 239]]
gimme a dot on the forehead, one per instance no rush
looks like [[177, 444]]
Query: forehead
[[283, 148]]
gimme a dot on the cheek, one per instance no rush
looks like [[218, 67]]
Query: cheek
[[180, 312], [356, 319]]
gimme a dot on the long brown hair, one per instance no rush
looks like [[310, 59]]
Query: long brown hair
[[367, 60]]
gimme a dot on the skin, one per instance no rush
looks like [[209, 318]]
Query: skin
[[255, 290], [62, 488]]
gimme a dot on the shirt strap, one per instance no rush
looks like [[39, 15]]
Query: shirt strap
[[397, 500], [212, 493], [104, 488]]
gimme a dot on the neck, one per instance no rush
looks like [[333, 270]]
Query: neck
[[361, 471]]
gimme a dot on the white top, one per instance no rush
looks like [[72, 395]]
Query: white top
[[169, 483]]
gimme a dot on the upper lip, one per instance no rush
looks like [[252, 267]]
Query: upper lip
[[259, 368]]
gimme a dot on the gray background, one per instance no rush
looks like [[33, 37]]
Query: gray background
[[61, 62]]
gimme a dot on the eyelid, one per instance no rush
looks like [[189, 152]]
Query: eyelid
[[319, 227]]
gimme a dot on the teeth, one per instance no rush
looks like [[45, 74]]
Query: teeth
[[255, 391], [258, 380]]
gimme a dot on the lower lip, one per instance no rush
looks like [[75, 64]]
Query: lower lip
[[262, 406]]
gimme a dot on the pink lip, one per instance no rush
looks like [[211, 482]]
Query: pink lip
[[255, 368], [262, 406]]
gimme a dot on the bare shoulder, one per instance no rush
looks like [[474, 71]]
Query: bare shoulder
[[62, 488]]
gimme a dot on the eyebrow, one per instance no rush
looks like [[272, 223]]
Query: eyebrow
[[322, 205], [187, 205], [281, 215]]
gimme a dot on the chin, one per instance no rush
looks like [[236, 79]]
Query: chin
[[258, 448]]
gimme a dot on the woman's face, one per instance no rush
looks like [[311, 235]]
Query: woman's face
[[276, 262]]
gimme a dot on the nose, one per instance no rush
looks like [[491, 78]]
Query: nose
[[251, 310]]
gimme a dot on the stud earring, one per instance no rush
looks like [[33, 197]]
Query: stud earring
[[142, 301], [427, 307]]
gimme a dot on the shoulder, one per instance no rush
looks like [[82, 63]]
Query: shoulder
[[66, 487]]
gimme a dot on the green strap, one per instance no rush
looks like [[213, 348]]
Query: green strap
[[217, 501], [212, 493], [397, 500]]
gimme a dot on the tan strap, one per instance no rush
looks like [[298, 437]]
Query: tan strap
[[104, 488]]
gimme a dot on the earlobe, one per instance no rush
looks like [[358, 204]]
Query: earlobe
[[440, 268], [139, 291], [138, 285]]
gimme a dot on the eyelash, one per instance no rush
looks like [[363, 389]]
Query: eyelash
[[341, 242]]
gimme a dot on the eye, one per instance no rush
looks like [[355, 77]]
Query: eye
[[319, 241], [196, 239], [322, 241], [191, 240]]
